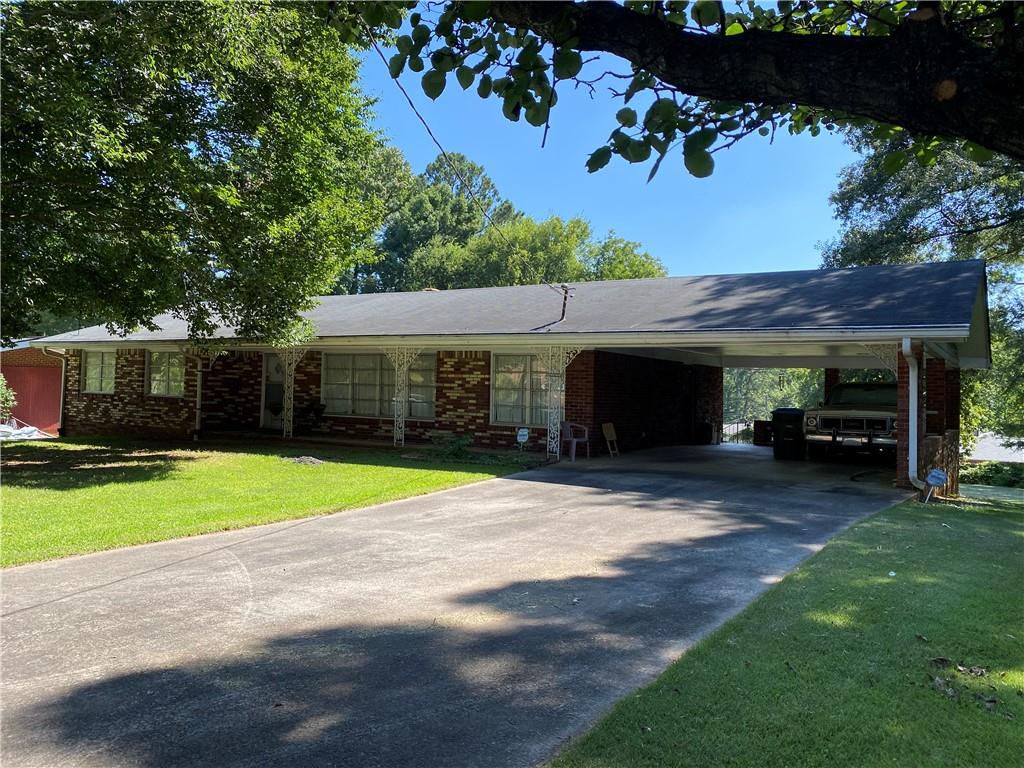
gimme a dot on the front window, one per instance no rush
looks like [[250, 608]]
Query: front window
[[98, 371], [519, 391], [166, 376], [364, 385]]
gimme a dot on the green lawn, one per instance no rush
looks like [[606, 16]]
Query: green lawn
[[843, 664], [71, 497]]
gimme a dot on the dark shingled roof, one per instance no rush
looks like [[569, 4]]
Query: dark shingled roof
[[932, 295]]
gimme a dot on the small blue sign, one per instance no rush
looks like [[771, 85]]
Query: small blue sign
[[936, 477], [522, 435]]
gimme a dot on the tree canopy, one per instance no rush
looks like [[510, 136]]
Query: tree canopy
[[453, 229], [203, 160], [701, 76], [524, 251]]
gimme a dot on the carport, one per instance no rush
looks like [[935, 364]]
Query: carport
[[924, 323]]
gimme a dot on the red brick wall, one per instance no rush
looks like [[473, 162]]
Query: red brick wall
[[830, 380], [128, 409], [232, 392], [953, 398], [935, 396], [655, 402], [651, 402], [463, 405]]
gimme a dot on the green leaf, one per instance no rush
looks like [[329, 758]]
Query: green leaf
[[636, 151], [465, 76], [511, 107], [734, 29], [484, 88], [415, 63], [396, 64], [654, 168], [977, 153], [699, 163], [567, 63], [537, 114], [474, 10], [392, 17], [700, 141], [442, 60], [420, 34], [705, 12], [404, 44], [433, 83], [599, 159], [626, 117], [894, 161]]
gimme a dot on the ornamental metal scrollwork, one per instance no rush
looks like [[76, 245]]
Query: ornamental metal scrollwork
[[886, 353], [401, 358], [555, 360], [289, 358]]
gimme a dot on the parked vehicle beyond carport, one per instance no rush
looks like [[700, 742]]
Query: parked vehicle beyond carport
[[855, 417]]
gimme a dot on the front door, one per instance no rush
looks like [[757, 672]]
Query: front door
[[273, 391]]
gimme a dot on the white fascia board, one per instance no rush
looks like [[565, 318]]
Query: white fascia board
[[879, 335]]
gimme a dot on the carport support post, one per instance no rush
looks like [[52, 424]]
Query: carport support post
[[903, 415], [289, 357], [830, 381], [401, 358], [554, 361]]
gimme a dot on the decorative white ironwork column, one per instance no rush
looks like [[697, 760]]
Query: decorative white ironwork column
[[401, 358], [289, 358], [887, 354], [555, 360]]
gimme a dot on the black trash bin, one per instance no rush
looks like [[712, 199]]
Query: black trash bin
[[788, 433]]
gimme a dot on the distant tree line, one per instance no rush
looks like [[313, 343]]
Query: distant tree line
[[450, 228]]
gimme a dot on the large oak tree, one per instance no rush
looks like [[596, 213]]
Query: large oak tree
[[205, 159]]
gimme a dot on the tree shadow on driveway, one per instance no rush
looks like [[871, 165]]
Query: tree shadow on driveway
[[502, 680]]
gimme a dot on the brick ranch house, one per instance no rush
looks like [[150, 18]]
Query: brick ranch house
[[646, 355]]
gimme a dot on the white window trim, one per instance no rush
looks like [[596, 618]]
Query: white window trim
[[527, 405], [382, 362], [148, 384], [85, 379]]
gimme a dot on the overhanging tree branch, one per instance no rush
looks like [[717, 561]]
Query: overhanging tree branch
[[925, 76]]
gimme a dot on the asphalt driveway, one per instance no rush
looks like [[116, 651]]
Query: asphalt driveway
[[480, 626]]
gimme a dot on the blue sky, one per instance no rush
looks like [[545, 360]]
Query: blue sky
[[765, 208]]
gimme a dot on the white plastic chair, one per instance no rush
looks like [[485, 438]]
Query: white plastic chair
[[571, 434]]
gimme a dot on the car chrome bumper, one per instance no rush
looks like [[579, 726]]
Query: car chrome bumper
[[853, 441]]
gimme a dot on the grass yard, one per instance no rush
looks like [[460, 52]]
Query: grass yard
[[899, 644], [71, 497]]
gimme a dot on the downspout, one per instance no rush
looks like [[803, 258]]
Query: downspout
[[913, 402], [63, 383]]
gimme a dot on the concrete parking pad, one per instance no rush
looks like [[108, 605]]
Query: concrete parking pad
[[480, 626]]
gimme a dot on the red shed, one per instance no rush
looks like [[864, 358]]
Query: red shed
[[35, 378]]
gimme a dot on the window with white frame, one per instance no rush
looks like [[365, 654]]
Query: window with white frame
[[364, 385], [98, 371], [165, 375], [519, 390]]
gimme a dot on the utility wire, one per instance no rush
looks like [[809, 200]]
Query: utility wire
[[563, 291]]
